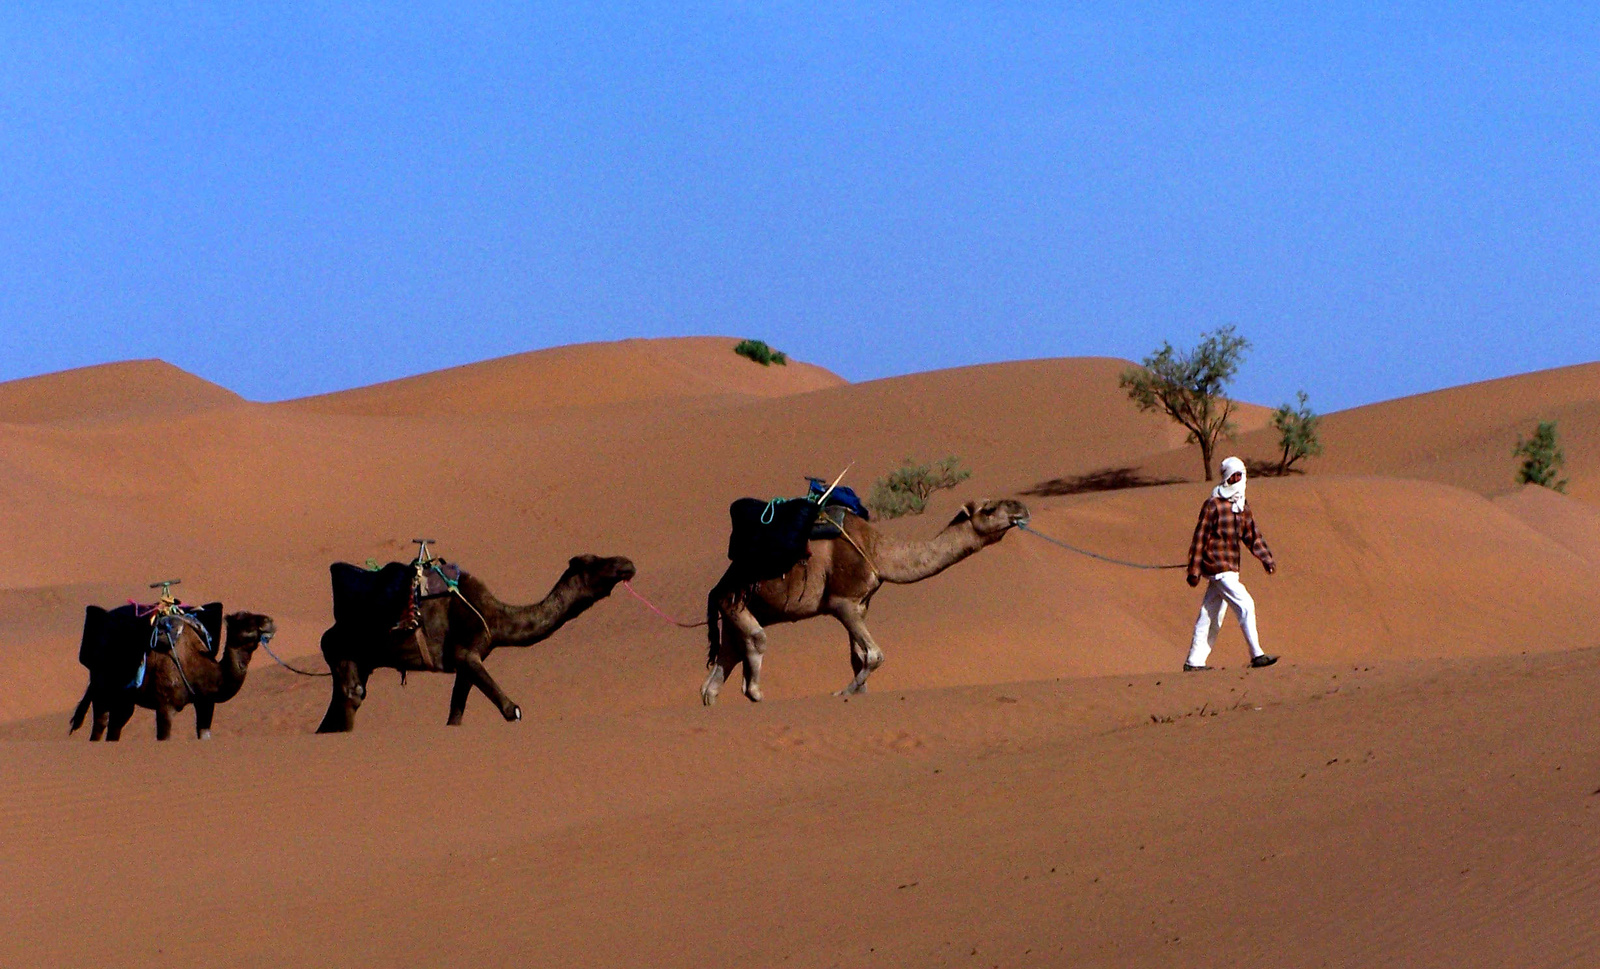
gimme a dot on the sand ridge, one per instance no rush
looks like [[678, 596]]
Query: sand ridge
[[114, 392]]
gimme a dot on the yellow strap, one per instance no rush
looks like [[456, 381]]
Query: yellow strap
[[859, 550]]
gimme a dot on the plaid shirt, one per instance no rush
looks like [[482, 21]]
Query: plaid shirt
[[1215, 548]]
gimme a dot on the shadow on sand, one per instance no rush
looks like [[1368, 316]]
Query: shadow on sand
[[1106, 479]]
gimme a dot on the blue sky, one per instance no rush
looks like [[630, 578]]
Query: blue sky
[[1385, 198]]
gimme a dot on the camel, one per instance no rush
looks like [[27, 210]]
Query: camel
[[174, 676], [838, 579], [456, 634]]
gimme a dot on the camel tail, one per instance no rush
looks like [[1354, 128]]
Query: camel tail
[[78, 714], [714, 624]]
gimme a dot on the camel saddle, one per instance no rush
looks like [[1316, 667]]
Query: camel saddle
[[771, 537], [838, 495], [389, 598], [117, 642]]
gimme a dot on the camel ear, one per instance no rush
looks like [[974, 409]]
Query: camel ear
[[965, 514]]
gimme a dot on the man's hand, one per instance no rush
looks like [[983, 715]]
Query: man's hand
[[1194, 580]]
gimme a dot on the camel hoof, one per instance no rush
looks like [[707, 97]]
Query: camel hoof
[[708, 699], [515, 715], [205, 735]]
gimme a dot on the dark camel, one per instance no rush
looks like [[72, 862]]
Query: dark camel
[[457, 634], [204, 681], [838, 580]]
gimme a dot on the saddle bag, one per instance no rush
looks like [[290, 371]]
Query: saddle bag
[[388, 598], [769, 537]]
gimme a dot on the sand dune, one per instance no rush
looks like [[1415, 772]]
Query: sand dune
[[1027, 736], [110, 392], [586, 375], [1572, 524]]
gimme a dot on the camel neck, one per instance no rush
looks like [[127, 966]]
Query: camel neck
[[525, 625], [233, 665], [904, 562]]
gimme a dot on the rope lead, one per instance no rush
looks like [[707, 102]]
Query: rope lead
[[1096, 555]]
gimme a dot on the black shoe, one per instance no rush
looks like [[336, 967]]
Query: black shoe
[[1196, 669], [1263, 660]]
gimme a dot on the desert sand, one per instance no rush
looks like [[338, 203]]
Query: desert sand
[[1030, 782]]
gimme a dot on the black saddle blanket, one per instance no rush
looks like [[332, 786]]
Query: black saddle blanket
[[115, 641], [769, 538], [386, 598]]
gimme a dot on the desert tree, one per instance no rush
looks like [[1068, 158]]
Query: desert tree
[[1191, 387], [1541, 458], [905, 490], [1297, 432]]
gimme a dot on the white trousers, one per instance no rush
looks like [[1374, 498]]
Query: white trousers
[[1225, 589]]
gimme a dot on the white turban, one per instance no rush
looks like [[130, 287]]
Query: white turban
[[1233, 494]]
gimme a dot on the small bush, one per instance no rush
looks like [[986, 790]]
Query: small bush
[[906, 489], [1541, 458], [1297, 432], [758, 351]]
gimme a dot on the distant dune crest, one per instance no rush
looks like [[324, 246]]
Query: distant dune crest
[[110, 392], [582, 375]]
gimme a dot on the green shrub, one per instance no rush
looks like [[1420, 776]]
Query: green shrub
[[758, 351], [906, 489], [1541, 458], [1297, 432]]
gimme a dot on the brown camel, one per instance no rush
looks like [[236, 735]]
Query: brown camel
[[456, 634], [838, 580], [180, 671]]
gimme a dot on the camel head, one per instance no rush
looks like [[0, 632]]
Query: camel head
[[991, 519], [599, 574], [247, 630]]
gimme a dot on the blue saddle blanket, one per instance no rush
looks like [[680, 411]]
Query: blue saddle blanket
[[841, 496]]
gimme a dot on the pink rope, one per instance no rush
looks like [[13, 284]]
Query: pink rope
[[651, 606]]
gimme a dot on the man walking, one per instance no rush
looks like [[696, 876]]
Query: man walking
[[1225, 521]]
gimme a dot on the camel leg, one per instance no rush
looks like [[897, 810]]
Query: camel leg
[[349, 689], [121, 712], [755, 647], [865, 656], [203, 711], [729, 655], [468, 664], [730, 652], [858, 661], [458, 698], [164, 713], [102, 717]]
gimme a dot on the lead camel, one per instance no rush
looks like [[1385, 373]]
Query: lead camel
[[839, 579]]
